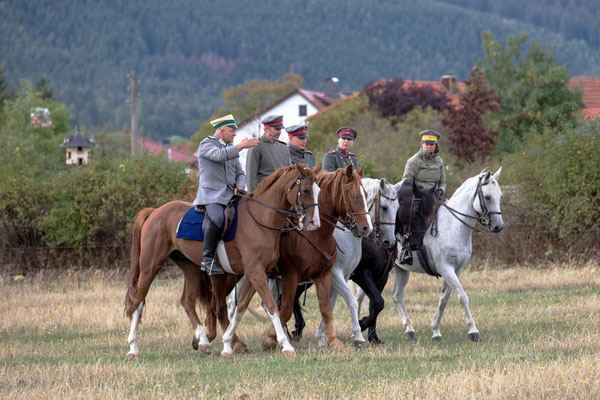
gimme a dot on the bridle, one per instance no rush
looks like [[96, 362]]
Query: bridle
[[298, 210], [377, 224], [484, 217], [350, 219]]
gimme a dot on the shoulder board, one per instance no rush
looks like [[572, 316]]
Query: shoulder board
[[309, 152], [284, 143], [352, 154], [331, 152]]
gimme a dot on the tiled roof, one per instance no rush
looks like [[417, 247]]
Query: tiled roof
[[178, 152], [591, 90], [591, 113], [78, 140]]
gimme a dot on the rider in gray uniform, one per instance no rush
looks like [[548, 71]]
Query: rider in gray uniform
[[221, 176], [298, 137], [341, 156]]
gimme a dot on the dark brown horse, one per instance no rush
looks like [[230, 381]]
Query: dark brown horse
[[253, 251], [310, 256]]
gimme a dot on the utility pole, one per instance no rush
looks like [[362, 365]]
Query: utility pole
[[133, 86]]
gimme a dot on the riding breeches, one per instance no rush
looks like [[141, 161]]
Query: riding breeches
[[215, 212]]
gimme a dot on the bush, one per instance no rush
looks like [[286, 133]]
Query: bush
[[558, 177]]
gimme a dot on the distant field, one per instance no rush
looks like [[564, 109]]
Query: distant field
[[65, 336]]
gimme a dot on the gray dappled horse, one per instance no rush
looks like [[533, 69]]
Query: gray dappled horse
[[448, 251]]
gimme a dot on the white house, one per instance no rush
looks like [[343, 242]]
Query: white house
[[78, 148], [295, 107]]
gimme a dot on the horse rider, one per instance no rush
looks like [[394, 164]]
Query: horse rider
[[221, 176], [270, 153], [298, 135], [341, 156], [426, 168]]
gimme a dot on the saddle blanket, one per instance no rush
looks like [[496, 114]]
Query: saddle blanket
[[190, 226]]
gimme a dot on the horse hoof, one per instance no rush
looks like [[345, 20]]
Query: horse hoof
[[336, 345], [204, 348], [296, 335], [195, 342], [133, 356], [359, 345], [227, 355], [242, 350], [475, 336], [376, 342], [289, 353], [437, 338], [410, 335]]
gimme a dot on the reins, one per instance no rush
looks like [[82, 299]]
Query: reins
[[290, 214], [483, 218], [350, 220]]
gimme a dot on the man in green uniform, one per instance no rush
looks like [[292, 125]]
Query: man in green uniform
[[426, 167], [341, 156], [298, 137], [270, 154]]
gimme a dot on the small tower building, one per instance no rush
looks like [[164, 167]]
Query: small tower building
[[78, 147]]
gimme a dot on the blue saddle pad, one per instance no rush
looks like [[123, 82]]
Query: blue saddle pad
[[190, 226]]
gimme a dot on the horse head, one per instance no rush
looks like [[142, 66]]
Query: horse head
[[302, 194], [486, 200], [355, 202], [383, 205], [415, 213]]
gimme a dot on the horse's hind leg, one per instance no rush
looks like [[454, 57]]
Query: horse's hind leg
[[222, 286], [323, 286], [398, 296], [191, 290], [132, 339], [297, 310], [376, 304], [340, 285]]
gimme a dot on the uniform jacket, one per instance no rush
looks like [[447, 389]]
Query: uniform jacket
[[264, 159], [220, 171], [426, 169], [336, 159], [302, 156]]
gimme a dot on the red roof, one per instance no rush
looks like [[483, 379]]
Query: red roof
[[591, 90], [591, 113], [178, 152]]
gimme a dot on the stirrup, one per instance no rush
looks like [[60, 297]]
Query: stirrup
[[211, 267]]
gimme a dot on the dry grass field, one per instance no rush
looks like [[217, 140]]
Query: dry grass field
[[63, 335]]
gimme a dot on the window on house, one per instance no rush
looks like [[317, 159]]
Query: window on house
[[68, 154], [302, 110], [80, 161], [79, 149]]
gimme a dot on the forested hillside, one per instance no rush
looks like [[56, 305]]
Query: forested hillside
[[186, 52]]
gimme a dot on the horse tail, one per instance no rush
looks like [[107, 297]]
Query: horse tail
[[131, 301]]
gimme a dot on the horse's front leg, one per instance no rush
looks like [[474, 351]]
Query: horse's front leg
[[244, 300], [288, 284], [398, 296], [451, 282], [258, 279], [323, 287]]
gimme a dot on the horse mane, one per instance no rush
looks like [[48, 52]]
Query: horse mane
[[274, 177], [428, 203], [371, 186]]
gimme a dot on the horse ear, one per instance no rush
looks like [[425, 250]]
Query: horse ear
[[360, 171], [497, 174], [382, 183], [317, 167], [415, 190], [349, 172]]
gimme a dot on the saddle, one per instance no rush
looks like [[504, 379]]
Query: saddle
[[193, 224]]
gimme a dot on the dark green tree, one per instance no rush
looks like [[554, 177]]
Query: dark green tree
[[532, 88], [5, 92]]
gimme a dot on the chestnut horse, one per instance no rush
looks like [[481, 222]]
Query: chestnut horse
[[253, 251], [310, 256]]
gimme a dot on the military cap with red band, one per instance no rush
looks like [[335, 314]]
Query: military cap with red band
[[274, 121], [347, 132], [299, 131]]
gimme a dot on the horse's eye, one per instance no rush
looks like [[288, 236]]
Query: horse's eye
[[488, 197], [306, 192], [384, 209]]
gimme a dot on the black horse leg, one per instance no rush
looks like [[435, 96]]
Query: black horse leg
[[376, 303], [297, 309]]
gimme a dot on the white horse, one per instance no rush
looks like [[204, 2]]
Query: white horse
[[383, 205], [476, 200]]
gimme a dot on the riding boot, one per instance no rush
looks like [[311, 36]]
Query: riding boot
[[211, 240]]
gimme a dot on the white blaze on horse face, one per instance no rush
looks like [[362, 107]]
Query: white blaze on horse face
[[364, 196], [316, 220]]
